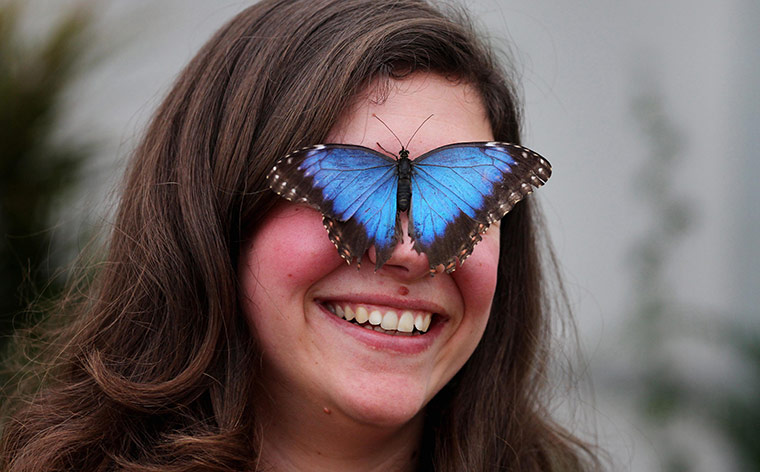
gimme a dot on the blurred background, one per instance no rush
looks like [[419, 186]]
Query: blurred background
[[647, 110]]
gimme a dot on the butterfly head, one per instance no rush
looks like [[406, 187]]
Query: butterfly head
[[404, 152]]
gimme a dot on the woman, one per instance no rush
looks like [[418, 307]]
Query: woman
[[209, 339]]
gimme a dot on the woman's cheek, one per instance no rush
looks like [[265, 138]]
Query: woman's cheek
[[292, 246], [477, 278]]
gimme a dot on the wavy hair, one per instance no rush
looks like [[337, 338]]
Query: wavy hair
[[147, 376]]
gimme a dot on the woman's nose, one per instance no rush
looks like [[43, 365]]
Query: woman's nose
[[405, 262]]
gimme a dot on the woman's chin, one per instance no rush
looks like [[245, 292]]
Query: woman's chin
[[381, 415], [389, 403]]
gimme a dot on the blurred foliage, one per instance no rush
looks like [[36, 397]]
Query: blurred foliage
[[660, 392], [38, 169], [738, 414]]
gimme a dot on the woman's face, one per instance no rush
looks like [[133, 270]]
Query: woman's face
[[292, 279]]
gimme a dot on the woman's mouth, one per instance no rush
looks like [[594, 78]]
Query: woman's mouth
[[382, 319]]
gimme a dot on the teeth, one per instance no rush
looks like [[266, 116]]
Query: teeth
[[390, 321], [375, 318], [419, 322], [407, 324], [362, 315]]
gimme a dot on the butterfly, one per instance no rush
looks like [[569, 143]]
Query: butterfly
[[452, 194]]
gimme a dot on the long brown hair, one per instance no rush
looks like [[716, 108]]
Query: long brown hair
[[156, 372]]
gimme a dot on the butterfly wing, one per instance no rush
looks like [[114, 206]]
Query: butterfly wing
[[460, 189], [354, 187]]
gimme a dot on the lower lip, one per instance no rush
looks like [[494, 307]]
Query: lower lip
[[385, 342]]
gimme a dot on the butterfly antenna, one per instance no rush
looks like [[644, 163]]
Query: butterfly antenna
[[415, 131], [386, 151], [389, 129]]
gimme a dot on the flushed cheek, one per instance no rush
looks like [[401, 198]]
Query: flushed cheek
[[476, 279], [292, 248]]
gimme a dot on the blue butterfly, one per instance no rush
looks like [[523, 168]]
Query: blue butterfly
[[452, 194]]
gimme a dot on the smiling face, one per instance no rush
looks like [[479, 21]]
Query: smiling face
[[294, 283]]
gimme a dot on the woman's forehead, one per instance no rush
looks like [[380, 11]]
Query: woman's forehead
[[457, 113]]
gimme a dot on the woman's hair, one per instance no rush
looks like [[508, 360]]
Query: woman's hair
[[157, 370]]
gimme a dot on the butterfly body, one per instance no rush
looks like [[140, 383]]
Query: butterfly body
[[404, 192], [451, 194]]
